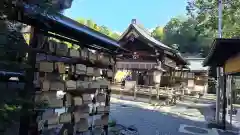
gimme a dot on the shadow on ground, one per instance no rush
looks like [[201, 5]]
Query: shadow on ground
[[150, 121], [207, 109]]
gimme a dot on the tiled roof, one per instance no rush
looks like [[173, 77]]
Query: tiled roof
[[222, 49], [150, 38], [60, 24]]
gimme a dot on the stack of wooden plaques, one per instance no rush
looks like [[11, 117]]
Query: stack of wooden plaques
[[82, 75]]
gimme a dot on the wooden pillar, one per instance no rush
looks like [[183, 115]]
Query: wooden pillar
[[27, 118], [173, 76], [135, 92], [182, 81], [114, 68], [149, 77], [136, 76], [181, 73], [170, 77], [150, 94]]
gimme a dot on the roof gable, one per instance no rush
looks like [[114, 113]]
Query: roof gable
[[229, 46], [155, 42], [145, 35]]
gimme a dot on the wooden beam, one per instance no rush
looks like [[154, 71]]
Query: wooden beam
[[232, 65]]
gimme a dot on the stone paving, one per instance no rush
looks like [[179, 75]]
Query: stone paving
[[149, 121], [185, 118], [182, 119]]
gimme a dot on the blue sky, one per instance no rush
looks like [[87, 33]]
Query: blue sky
[[117, 14]]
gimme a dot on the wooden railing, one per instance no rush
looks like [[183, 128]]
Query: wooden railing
[[150, 92]]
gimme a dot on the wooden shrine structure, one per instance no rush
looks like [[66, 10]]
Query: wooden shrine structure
[[150, 61], [225, 54], [195, 76]]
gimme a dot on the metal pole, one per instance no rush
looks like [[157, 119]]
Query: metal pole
[[219, 68], [220, 8], [222, 76]]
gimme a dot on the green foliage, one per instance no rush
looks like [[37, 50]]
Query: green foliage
[[12, 44], [90, 24], [10, 105], [82, 21], [195, 32], [182, 34], [102, 29], [12, 53], [206, 14], [114, 35], [157, 33]]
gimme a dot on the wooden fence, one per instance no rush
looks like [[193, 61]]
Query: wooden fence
[[150, 92]]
